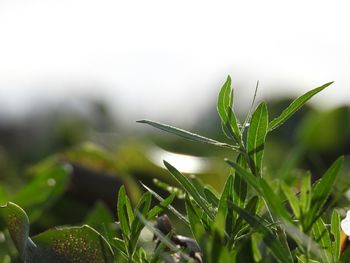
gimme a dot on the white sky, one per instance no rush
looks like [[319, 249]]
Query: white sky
[[167, 59]]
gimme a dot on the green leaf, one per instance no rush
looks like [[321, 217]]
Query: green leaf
[[301, 238], [17, 223], [273, 201], [159, 208], [72, 245], [278, 250], [305, 194], [211, 197], [123, 212], [323, 189], [335, 230], [245, 175], [240, 185], [186, 134], [321, 236], [295, 106], [120, 246], [226, 113], [59, 245], [256, 137], [101, 219], [292, 198], [194, 217], [170, 207], [250, 208], [190, 189], [224, 210], [136, 226], [262, 188]]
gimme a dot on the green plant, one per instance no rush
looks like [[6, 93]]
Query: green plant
[[256, 217]]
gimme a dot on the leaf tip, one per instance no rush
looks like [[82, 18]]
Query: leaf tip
[[141, 121]]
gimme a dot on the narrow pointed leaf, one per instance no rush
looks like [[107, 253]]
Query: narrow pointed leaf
[[256, 137], [159, 208], [169, 207], [122, 211], [335, 230], [224, 210], [189, 188], [211, 197], [292, 199], [273, 201], [305, 193], [295, 106], [245, 175], [186, 134], [323, 189], [240, 185], [277, 249], [194, 217], [226, 113], [321, 236]]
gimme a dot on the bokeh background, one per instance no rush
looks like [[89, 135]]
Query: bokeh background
[[76, 75]]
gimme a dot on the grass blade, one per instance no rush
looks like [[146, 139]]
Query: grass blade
[[295, 106], [322, 190], [122, 211], [245, 175], [321, 236], [305, 194], [190, 189], [186, 134], [211, 197], [159, 208], [256, 137], [194, 217], [226, 113], [292, 199], [224, 210], [277, 249], [240, 185], [169, 207], [335, 230]]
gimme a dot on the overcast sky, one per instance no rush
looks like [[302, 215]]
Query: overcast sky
[[159, 59]]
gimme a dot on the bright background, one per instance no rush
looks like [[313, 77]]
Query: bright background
[[167, 59]]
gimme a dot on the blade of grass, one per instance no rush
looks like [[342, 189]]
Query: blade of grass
[[169, 207], [187, 135], [122, 212], [279, 251], [194, 217], [295, 106], [190, 189], [256, 137], [240, 185], [292, 199], [160, 207], [322, 190], [226, 113], [321, 236], [247, 119], [335, 230]]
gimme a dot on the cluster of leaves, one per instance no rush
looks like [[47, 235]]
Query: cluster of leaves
[[254, 219]]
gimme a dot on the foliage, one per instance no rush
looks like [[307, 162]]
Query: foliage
[[255, 218]]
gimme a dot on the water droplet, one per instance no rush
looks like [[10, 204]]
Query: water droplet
[[51, 182]]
